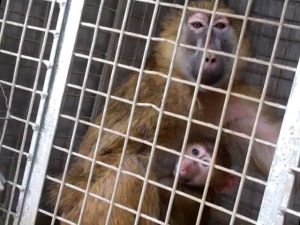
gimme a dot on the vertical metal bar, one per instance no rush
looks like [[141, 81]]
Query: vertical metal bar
[[16, 69], [104, 79], [81, 98], [225, 105], [259, 110], [4, 20], [43, 95], [131, 115], [73, 10], [281, 178], [12, 92]]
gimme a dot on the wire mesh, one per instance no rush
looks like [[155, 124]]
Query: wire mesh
[[114, 40], [25, 49]]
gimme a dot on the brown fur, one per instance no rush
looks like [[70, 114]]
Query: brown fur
[[102, 184], [143, 126], [240, 114]]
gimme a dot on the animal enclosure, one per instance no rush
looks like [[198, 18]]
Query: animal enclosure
[[62, 63]]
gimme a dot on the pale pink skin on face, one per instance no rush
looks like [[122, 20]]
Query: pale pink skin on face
[[240, 115], [198, 23], [195, 173], [198, 18], [201, 21], [192, 172]]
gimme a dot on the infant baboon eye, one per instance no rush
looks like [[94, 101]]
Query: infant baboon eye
[[206, 159], [195, 151], [197, 25]]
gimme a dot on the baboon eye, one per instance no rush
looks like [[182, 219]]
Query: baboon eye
[[197, 25], [220, 26], [195, 151]]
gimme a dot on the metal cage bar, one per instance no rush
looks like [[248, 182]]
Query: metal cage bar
[[104, 79], [67, 37], [43, 95], [263, 95], [287, 155], [10, 102], [49, 109]]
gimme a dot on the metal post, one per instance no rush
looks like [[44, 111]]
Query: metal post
[[281, 178], [67, 38]]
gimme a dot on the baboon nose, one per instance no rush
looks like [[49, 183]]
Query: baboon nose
[[210, 59]]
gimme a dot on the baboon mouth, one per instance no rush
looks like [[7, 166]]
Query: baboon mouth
[[210, 79], [184, 180]]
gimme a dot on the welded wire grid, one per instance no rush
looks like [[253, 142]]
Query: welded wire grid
[[262, 36], [114, 63], [283, 175], [92, 61], [26, 42]]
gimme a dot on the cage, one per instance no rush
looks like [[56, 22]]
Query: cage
[[62, 63]]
